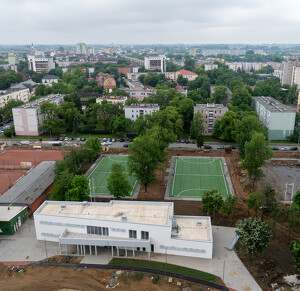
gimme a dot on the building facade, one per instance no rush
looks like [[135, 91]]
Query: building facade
[[156, 63], [28, 117], [136, 110], [11, 218], [81, 49], [296, 76], [124, 70], [191, 76], [124, 227], [209, 67], [106, 80], [287, 71], [277, 118], [210, 113], [14, 94], [40, 64], [13, 59], [112, 99], [49, 80]]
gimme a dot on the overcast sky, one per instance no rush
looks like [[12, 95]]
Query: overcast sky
[[147, 22]]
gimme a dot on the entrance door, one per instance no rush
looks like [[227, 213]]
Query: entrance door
[[152, 248]]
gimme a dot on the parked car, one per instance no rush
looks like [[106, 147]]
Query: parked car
[[220, 147], [66, 139], [78, 139], [113, 140], [122, 139], [207, 147], [275, 148], [187, 141], [182, 141], [125, 145], [109, 139], [234, 147], [178, 141], [104, 139], [56, 138], [71, 138], [293, 148], [130, 140], [284, 149], [82, 138]]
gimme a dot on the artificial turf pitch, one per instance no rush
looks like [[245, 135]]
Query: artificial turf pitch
[[102, 170], [193, 175]]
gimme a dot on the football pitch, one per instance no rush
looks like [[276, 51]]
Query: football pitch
[[194, 175], [101, 172]]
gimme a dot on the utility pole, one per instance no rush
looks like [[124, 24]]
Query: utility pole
[[46, 249]]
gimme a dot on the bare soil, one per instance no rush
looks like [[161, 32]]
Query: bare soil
[[58, 278]]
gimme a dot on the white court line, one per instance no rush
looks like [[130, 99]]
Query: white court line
[[200, 175], [174, 177], [109, 173], [183, 159], [190, 190], [224, 177], [116, 160], [133, 188], [96, 167]]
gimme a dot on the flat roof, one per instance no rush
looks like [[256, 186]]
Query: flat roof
[[194, 228], [9, 212], [142, 105], [36, 103], [158, 213], [210, 106], [31, 186], [273, 105]]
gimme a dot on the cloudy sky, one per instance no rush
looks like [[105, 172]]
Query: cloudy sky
[[147, 22]]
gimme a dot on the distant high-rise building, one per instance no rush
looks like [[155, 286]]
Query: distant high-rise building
[[81, 48], [40, 64], [296, 76], [193, 52], [156, 63], [287, 71], [13, 59]]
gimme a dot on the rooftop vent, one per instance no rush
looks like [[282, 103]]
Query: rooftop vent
[[199, 223], [124, 218], [174, 234], [63, 206], [84, 203]]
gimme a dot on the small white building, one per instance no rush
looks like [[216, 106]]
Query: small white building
[[28, 117], [123, 226], [136, 110], [209, 67], [112, 99], [14, 94], [48, 80]]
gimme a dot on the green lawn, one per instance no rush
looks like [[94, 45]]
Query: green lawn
[[194, 175], [47, 136], [166, 267], [102, 170]]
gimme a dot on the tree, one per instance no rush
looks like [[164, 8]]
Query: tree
[[145, 157], [294, 218], [228, 126], [211, 200], [6, 111], [200, 141], [216, 131], [79, 188], [93, 145], [255, 201], [117, 183], [196, 125], [51, 123], [297, 199], [245, 129], [257, 151], [120, 125], [228, 205], [241, 99], [295, 250], [254, 235], [182, 81], [189, 63], [220, 94]]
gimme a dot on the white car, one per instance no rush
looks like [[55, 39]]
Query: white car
[[106, 143], [284, 149]]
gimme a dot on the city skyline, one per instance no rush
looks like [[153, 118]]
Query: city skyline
[[137, 22]]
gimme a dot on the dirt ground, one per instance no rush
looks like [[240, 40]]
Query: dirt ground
[[57, 278], [10, 160]]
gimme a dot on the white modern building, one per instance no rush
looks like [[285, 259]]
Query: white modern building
[[13, 59], [277, 118], [209, 67], [48, 80], [28, 117], [40, 64], [112, 99], [296, 76], [123, 226], [136, 110], [287, 71], [14, 94], [156, 63]]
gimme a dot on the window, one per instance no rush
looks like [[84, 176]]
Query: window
[[132, 233], [145, 235], [97, 230]]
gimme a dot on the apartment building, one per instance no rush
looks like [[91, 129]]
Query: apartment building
[[40, 64], [112, 99], [191, 76], [81, 48], [287, 71], [28, 117], [134, 111], [209, 67], [210, 113], [14, 94], [139, 94], [48, 80], [277, 118], [106, 80], [13, 59], [296, 76], [124, 70], [156, 63], [124, 227]]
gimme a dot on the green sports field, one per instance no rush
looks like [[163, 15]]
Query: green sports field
[[193, 175], [101, 172]]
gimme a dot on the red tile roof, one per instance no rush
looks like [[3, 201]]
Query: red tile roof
[[185, 73]]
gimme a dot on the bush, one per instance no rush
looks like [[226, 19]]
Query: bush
[[136, 276], [155, 279]]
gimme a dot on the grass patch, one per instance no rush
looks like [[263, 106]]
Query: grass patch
[[47, 136], [166, 267], [282, 142]]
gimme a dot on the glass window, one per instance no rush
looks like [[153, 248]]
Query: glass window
[[145, 235], [132, 233]]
